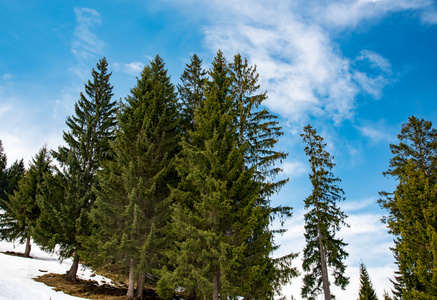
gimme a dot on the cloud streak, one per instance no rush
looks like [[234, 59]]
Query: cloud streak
[[86, 43], [301, 67]]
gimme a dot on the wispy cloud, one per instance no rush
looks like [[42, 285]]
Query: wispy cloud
[[378, 131], [133, 68], [351, 13], [294, 168], [301, 67], [7, 76], [86, 43]]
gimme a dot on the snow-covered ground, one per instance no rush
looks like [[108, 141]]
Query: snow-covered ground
[[16, 274]]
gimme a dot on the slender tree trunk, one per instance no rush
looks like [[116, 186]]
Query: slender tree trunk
[[28, 247], [325, 279], [140, 284], [130, 289], [216, 286], [71, 274]]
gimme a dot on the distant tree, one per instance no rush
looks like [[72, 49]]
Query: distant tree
[[412, 210], [367, 292], [322, 221], [22, 210], [386, 296], [91, 128], [132, 206]]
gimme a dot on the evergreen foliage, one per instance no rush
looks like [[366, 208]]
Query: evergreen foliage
[[3, 176], [367, 292], [191, 91], [322, 221], [22, 210], [87, 144], [220, 215], [412, 210], [132, 208]]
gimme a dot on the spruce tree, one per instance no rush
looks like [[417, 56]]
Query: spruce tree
[[22, 210], [131, 208], [258, 131], [367, 292], [322, 221], [91, 128], [220, 216], [412, 210], [191, 91]]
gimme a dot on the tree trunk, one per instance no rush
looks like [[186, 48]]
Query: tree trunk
[[216, 286], [192, 295], [71, 274], [28, 247], [130, 289], [140, 285], [325, 279]]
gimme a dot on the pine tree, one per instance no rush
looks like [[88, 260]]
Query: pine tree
[[258, 132], [412, 210], [322, 221], [219, 215], [91, 129], [131, 207], [22, 210], [191, 91], [210, 167], [367, 292]]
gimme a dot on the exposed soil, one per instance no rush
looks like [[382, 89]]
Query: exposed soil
[[89, 289]]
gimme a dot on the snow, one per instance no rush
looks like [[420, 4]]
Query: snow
[[17, 273]]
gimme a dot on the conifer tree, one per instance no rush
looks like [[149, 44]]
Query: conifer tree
[[412, 209], [131, 207], [22, 210], [367, 292], [258, 132], [322, 221], [191, 91], [87, 144], [219, 215]]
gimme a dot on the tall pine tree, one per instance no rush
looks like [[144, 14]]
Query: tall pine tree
[[221, 216], [131, 207], [91, 129], [322, 221], [412, 210]]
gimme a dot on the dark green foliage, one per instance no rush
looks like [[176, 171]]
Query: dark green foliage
[[413, 210], [3, 181], [322, 221], [22, 210], [131, 207], [367, 292], [191, 91], [221, 216], [87, 144]]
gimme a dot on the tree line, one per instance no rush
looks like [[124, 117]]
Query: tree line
[[172, 186]]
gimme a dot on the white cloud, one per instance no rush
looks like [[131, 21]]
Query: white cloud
[[133, 68], [294, 168], [350, 206], [378, 131], [302, 69], [86, 42], [7, 76], [351, 13]]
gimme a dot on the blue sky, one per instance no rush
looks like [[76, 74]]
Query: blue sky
[[356, 70]]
